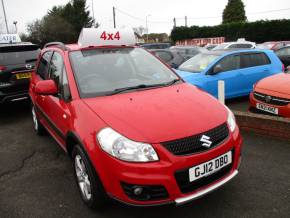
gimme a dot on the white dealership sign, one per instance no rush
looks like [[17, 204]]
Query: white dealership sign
[[9, 38]]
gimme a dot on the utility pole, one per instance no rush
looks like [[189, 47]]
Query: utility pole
[[114, 16], [174, 22], [93, 11], [186, 21], [5, 17]]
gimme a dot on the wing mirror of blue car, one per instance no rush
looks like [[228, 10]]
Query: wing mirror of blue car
[[46, 87]]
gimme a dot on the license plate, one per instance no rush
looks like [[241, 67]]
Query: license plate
[[26, 75], [210, 167], [267, 108]]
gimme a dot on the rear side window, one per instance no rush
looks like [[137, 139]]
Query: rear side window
[[24, 54], [283, 51], [43, 65], [163, 55], [254, 59], [231, 62]]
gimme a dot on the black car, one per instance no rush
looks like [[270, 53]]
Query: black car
[[284, 55], [187, 52], [17, 61], [172, 58]]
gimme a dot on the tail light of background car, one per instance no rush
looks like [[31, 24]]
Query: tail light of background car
[[283, 68]]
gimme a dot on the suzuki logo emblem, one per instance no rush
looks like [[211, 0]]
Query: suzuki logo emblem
[[206, 141]]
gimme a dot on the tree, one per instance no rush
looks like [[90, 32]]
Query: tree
[[62, 23], [139, 30], [234, 12]]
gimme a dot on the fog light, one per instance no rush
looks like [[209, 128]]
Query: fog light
[[138, 190]]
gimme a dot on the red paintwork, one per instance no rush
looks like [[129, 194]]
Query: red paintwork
[[46, 87], [278, 86], [151, 116]]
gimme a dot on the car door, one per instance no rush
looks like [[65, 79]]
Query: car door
[[254, 67], [228, 71], [284, 55], [56, 106]]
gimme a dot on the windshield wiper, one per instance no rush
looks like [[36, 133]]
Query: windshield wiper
[[143, 86]]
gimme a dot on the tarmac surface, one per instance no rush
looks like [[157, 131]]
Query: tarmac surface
[[36, 179]]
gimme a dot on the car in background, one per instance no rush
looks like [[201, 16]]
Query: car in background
[[239, 69], [156, 45], [17, 61], [210, 46], [274, 45], [284, 55], [119, 113], [187, 52], [172, 58], [272, 95], [240, 44]]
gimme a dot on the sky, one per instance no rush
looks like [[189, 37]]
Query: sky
[[133, 13]]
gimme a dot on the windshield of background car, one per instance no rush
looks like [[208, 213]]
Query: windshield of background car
[[102, 71], [198, 63], [10, 55]]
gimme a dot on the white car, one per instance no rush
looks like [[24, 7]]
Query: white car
[[240, 43]]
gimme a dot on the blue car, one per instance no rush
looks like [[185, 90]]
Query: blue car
[[240, 69]]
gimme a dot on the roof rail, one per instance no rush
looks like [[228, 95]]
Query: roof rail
[[57, 44]]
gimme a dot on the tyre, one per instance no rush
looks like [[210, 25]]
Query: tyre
[[38, 127], [89, 184]]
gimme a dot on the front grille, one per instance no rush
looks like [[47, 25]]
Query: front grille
[[149, 192], [271, 99], [192, 144], [185, 186]]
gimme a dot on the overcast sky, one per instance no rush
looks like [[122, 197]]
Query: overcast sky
[[204, 12]]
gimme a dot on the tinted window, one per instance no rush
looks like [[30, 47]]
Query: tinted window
[[254, 59], [18, 54], [102, 71], [231, 62], [55, 68], [241, 46], [163, 55], [283, 51], [43, 66]]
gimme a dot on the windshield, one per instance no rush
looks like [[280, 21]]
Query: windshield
[[198, 63], [103, 71], [18, 54]]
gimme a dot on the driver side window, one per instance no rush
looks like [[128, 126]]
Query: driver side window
[[229, 63], [56, 66]]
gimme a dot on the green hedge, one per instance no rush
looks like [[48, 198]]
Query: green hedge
[[259, 31]]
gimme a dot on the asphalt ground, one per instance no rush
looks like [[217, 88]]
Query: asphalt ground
[[36, 179]]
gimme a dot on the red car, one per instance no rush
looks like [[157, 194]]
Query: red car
[[272, 95], [135, 131]]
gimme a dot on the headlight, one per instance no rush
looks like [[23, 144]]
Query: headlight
[[231, 120], [125, 149]]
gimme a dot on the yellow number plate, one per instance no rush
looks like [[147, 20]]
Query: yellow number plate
[[23, 75]]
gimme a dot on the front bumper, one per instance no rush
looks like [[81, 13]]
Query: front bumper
[[283, 111], [113, 173]]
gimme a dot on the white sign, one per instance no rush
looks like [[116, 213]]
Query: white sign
[[106, 37], [9, 38]]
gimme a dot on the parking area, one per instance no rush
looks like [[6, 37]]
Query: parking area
[[36, 179]]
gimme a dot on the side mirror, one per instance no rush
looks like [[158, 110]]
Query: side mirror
[[46, 87], [217, 68]]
